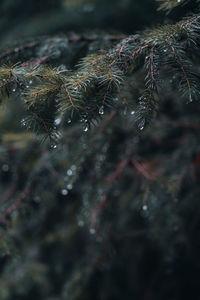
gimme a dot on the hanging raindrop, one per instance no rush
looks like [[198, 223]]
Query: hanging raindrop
[[141, 125], [53, 146], [190, 98], [57, 121], [92, 231], [64, 192], [5, 168], [23, 122], [80, 223], [144, 207], [37, 199], [86, 127], [69, 186], [101, 110], [73, 167], [69, 172]]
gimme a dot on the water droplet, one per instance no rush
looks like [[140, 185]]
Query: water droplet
[[31, 81], [144, 207], [69, 186], [86, 127], [99, 239], [132, 112], [69, 172], [141, 124], [73, 167], [88, 7], [37, 199], [27, 86], [92, 231], [58, 121], [64, 192], [14, 90], [23, 122], [53, 146], [101, 110], [80, 223], [125, 110], [5, 168], [190, 97], [84, 146]]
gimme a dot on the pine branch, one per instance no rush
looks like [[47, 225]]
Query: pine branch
[[91, 88]]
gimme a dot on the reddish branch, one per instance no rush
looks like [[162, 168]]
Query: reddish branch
[[97, 210], [19, 49], [120, 168], [144, 169]]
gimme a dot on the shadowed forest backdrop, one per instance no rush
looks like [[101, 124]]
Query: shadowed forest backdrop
[[99, 150]]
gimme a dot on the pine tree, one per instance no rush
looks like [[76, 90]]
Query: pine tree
[[100, 154]]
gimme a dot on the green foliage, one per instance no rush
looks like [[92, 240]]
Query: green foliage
[[161, 55], [107, 206], [169, 5]]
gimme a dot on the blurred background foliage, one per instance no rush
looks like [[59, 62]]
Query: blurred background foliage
[[24, 19], [109, 213]]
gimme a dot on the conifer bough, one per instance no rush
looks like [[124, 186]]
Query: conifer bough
[[165, 57]]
